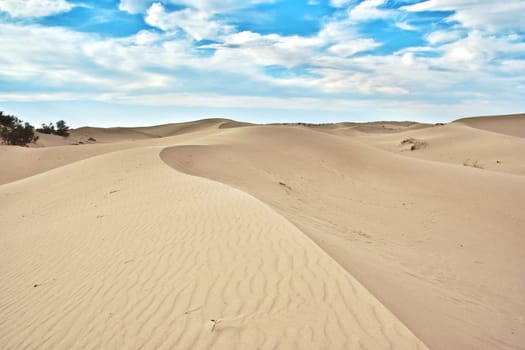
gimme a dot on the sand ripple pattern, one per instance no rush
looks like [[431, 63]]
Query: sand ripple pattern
[[122, 252]]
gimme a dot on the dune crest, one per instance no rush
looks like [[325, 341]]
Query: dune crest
[[513, 124], [103, 245], [435, 242], [139, 255]]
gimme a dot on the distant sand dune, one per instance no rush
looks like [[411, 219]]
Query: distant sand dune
[[26, 162], [110, 135], [459, 144], [513, 124]]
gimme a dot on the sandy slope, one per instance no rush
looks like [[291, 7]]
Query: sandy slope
[[513, 124], [54, 152], [441, 245], [120, 251], [113, 249], [110, 135], [454, 143]]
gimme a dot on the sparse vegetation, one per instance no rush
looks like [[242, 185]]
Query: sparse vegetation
[[214, 324], [285, 185], [47, 129], [15, 131], [414, 144], [474, 164], [60, 128]]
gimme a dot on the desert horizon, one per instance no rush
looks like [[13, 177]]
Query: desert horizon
[[262, 174], [223, 234]]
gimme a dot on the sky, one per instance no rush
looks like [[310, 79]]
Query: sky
[[142, 62]]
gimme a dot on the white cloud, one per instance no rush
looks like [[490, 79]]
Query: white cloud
[[340, 3], [55, 58], [197, 100], [408, 58], [369, 9], [477, 51], [34, 8], [249, 49], [207, 6], [442, 36], [219, 6], [134, 6], [405, 26], [350, 48], [241, 101], [488, 15], [195, 23]]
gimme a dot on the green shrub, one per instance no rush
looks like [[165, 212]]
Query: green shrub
[[9, 121], [61, 128], [47, 129], [15, 132]]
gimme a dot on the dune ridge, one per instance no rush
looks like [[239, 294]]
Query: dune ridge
[[120, 134], [104, 246], [512, 124], [26, 162], [455, 143], [437, 243], [139, 255]]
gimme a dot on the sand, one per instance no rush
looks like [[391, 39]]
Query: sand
[[121, 251], [52, 151], [513, 124], [214, 236], [455, 143]]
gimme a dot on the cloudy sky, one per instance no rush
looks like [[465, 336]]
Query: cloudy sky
[[139, 62]]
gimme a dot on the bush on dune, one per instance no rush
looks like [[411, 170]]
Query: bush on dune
[[47, 129], [61, 128], [15, 132], [9, 121]]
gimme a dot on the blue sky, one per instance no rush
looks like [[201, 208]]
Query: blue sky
[[142, 62]]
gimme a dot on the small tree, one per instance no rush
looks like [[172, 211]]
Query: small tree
[[62, 128], [47, 129], [9, 121], [15, 133]]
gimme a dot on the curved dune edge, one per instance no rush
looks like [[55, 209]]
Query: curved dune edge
[[27, 162], [456, 143], [376, 313], [139, 255], [360, 297], [513, 124], [422, 245]]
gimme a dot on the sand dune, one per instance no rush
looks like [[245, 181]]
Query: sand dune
[[384, 127], [91, 135], [454, 143], [138, 255], [380, 127], [110, 135], [440, 245], [105, 246], [513, 124], [28, 161]]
